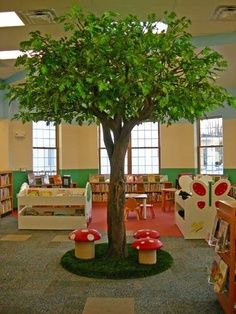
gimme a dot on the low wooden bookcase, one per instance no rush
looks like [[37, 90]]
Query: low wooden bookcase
[[150, 184], [54, 208]]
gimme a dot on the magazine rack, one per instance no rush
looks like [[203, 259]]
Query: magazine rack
[[195, 215], [227, 299], [54, 208]]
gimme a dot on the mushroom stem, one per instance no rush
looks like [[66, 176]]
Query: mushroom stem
[[147, 257], [85, 250]]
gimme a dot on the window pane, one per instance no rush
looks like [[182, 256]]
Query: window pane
[[44, 160], [211, 160], [44, 147], [211, 146], [211, 132], [145, 135], [145, 160], [44, 135], [144, 150]]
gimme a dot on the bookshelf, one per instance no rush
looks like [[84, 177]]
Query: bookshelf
[[149, 184], [54, 208], [227, 298], [232, 191], [6, 190]]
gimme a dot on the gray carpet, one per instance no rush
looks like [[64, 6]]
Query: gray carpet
[[32, 280]]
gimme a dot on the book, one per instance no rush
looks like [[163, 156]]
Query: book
[[31, 178], [57, 179], [214, 269], [94, 178], [45, 179], [32, 192], [129, 178], [152, 178], [38, 180], [212, 237], [222, 236], [45, 193], [220, 277]]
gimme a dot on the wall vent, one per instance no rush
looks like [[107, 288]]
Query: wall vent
[[225, 13], [38, 17]]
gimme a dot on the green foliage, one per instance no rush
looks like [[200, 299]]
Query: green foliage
[[107, 67], [103, 267]]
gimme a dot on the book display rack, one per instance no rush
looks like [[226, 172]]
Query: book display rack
[[222, 274], [54, 208]]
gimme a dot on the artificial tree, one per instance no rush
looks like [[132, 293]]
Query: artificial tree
[[120, 72]]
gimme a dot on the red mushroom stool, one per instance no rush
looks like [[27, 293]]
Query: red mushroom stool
[[84, 242], [146, 233], [147, 250]]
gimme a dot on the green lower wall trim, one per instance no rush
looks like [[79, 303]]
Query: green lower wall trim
[[19, 177], [231, 173], [173, 173], [79, 176]]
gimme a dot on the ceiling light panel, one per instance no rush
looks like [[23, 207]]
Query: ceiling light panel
[[9, 19]]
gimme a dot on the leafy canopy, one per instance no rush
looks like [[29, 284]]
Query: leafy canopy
[[108, 67]]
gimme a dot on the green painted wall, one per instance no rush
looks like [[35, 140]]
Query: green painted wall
[[173, 173], [231, 173], [79, 176], [19, 177]]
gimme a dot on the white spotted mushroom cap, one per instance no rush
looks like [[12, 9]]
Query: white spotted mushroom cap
[[147, 233], [85, 235], [147, 244]]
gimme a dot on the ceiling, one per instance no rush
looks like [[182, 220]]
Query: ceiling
[[220, 34]]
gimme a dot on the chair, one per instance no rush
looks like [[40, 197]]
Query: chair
[[131, 205]]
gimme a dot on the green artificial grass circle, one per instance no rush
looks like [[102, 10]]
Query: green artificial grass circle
[[105, 267]]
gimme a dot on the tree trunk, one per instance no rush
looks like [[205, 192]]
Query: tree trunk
[[115, 211]]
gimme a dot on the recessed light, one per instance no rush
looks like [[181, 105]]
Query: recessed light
[[8, 19]]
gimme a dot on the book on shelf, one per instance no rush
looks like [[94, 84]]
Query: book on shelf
[[214, 269], [152, 178], [94, 178], [33, 192], [129, 178], [57, 179], [212, 236], [220, 279], [45, 193], [38, 181], [31, 178], [4, 180], [45, 179], [222, 236]]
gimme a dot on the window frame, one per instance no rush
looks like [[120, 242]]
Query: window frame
[[54, 148], [129, 151], [209, 146]]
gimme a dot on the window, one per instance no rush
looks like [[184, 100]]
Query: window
[[143, 151], [44, 147], [211, 146]]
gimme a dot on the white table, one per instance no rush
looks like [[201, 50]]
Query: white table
[[142, 197]]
